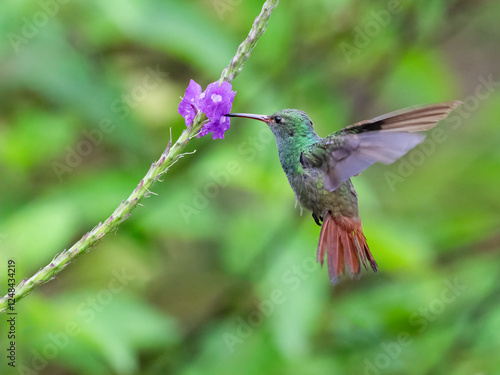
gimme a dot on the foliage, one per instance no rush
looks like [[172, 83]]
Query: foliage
[[217, 273]]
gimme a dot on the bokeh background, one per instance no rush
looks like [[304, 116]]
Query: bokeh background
[[216, 274]]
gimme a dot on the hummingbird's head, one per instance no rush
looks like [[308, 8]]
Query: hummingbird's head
[[287, 123]]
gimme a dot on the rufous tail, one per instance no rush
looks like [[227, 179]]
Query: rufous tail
[[345, 245]]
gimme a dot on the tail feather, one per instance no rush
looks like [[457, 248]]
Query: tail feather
[[332, 248], [342, 240], [320, 256], [361, 253], [352, 260], [338, 255], [364, 251]]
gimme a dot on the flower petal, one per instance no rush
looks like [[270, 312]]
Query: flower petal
[[216, 103], [189, 105]]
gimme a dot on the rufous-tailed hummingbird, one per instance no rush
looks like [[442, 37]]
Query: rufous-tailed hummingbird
[[319, 171]]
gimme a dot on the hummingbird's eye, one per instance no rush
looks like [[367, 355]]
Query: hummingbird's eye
[[278, 119]]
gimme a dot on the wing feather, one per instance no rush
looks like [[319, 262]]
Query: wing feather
[[413, 119], [383, 139]]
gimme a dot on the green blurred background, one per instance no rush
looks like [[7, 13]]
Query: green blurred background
[[216, 274]]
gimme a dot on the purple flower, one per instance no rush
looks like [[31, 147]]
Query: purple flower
[[217, 99], [188, 107], [215, 102], [217, 126]]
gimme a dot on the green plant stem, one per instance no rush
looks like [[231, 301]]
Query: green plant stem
[[171, 155]]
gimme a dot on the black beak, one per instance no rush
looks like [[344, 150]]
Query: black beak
[[264, 118]]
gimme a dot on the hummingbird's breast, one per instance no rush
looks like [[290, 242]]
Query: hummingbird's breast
[[307, 184]]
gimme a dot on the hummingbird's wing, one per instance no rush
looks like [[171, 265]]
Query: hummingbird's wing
[[383, 139], [413, 119]]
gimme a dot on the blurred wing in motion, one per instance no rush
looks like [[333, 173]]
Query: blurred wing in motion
[[383, 139]]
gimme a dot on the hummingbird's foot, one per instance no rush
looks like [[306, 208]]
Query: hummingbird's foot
[[316, 219]]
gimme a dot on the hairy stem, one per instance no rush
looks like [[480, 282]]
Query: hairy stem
[[171, 154]]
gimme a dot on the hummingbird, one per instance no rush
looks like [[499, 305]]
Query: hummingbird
[[319, 171]]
